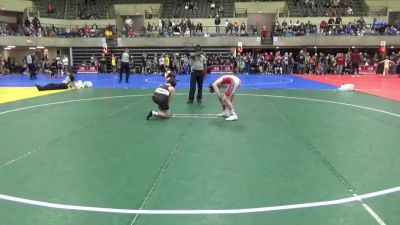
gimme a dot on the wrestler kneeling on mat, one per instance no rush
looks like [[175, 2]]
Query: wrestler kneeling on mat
[[162, 97], [231, 83]]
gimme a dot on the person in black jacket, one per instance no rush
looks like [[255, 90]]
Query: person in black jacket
[[217, 22]]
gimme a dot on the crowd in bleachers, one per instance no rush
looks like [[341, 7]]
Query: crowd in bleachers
[[307, 63], [198, 8], [335, 27], [268, 62], [178, 63], [165, 28], [35, 29], [325, 7], [186, 27]]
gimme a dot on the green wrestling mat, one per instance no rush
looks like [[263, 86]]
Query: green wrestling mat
[[94, 148]]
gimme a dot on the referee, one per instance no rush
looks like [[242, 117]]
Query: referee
[[124, 65], [199, 66]]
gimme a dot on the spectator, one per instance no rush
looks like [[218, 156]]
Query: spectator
[[340, 63], [349, 11], [301, 62], [128, 23], [109, 34], [199, 27], [103, 63], [114, 63], [19, 25], [65, 63], [217, 23], [50, 8], [355, 61], [254, 29], [221, 9], [27, 23], [264, 32]]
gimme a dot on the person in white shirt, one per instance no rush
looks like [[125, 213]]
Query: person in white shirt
[[128, 23], [65, 63], [125, 58], [32, 67], [349, 11], [59, 65], [161, 62]]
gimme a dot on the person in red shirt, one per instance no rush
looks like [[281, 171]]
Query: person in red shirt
[[264, 32], [355, 58], [340, 60], [50, 8], [232, 83]]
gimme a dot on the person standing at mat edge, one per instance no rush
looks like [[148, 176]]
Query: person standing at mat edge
[[199, 70], [232, 83], [125, 57], [32, 67]]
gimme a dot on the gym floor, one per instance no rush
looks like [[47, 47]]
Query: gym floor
[[301, 153]]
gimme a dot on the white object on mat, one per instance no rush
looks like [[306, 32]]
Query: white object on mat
[[346, 87]]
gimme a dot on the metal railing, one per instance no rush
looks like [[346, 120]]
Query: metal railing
[[150, 14], [34, 11], [282, 12], [240, 13]]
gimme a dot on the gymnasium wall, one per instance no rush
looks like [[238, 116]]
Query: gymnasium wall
[[46, 41], [393, 5], [342, 41], [135, 9], [15, 5], [261, 7], [62, 22], [345, 20], [20, 52]]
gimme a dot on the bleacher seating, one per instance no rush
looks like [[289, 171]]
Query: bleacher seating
[[59, 11], [197, 8], [100, 9], [84, 54], [299, 8]]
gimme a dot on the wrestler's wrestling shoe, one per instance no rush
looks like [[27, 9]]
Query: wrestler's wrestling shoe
[[233, 117], [149, 115], [223, 114]]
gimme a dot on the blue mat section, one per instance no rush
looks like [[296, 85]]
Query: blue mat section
[[152, 81]]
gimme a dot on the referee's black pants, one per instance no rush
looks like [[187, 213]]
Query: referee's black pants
[[32, 71], [196, 77], [124, 67]]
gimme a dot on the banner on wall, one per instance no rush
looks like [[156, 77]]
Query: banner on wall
[[86, 69], [367, 69], [222, 68]]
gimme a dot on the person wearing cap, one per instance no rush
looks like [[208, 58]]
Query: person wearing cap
[[162, 96], [199, 70]]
